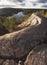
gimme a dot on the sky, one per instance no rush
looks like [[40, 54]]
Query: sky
[[24, 3]]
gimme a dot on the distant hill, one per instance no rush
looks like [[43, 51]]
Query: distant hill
[[8, 11], [11, 11]]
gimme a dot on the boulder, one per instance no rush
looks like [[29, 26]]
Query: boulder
[[38, 56], [1, 61], [9, 62]]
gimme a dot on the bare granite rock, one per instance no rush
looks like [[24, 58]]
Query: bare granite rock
[[17, 45], [21, 42], [1, 61], [38, 56], [9, 62]]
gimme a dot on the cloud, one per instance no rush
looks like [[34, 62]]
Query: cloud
[[24, 3], [43, 1], [40, 1]]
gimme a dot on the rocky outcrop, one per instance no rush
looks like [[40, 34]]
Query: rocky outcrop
[[38, 56], [17, 45], [32, 20], [8, 62]]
